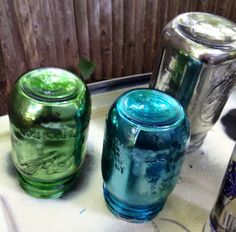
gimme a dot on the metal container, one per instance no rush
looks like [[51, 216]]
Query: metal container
[[49, 111], [196, 63], [146, 136], [223, 214]]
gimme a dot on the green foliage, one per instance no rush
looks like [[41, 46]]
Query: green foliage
[[86, 68]]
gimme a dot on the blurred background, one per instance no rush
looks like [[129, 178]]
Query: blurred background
[[120, 36]]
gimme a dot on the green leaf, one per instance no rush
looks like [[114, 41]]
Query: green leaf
[[86, 68]]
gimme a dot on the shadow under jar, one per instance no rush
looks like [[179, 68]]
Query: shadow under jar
[[146, 136], [49, 111]]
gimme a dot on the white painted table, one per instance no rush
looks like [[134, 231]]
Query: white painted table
[[84, 210]]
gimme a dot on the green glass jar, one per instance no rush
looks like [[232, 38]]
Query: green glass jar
[[49, 111]]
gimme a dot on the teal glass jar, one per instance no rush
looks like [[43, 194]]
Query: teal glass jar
[[147, 133], [49, 112]]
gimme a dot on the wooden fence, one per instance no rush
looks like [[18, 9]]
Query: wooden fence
[[120, 36]]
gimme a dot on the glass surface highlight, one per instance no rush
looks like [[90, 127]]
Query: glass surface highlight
[[146, 136]]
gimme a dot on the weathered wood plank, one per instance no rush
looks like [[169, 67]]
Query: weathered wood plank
[[24, 21], [57, 24], [193, 5], [161, 16], [49, 33], [10, 39], [184, 6], [82, 28], [70, 44], [233, 10], [106, 37], [47, 40], [117, 36], [223, 9], [206, 5], [173, 9], [129, 40], [150, 33], [4, 85], [162, 20], [139, 34], [95, 37]]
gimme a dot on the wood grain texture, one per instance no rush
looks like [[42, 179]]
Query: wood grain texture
[[43, 32], [11, 42], [129, 40], [106, 37], [120, 36], [117, 36], [150, 33], [206, 6], [161, 16], [139, 35], [63, 22], [162, 20], [57, 24], [184, 6], [24, 21], [232, 16], [223, 8], [70, 44], [95, 37], [173, 9], [47, 41], [82, 27], [4, 85]]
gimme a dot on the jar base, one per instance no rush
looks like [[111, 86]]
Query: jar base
[[131, 213], [46, 190]]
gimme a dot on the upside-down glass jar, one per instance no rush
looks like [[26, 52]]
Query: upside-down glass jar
[[49, 111], [147, 133], [196, 63]]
